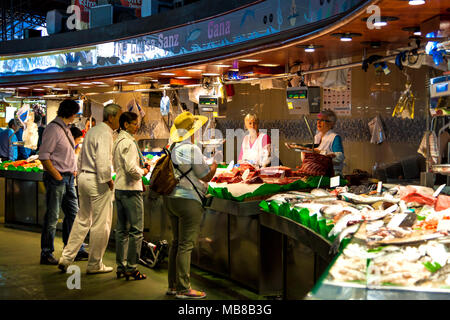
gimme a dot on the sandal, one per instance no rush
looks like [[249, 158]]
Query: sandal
[[135, 274], [191, 294], [171, 292]]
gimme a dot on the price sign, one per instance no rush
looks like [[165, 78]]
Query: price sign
[[335, 181]]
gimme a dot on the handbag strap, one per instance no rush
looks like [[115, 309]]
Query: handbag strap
[[60, 125]]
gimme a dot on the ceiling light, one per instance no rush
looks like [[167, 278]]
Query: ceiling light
[[120, 80], [222, 65], [23, 88], [268, 65], [382, 21], [38, 89], [194, 70], [133, 83], [416, 2], [250, 60], [142, 90], [233, 70], [49, 86], [86, 83], [97, 82], [310, 49], [417, 33], [211, 74], [154, 80], [167, 74], [72, 85], [58, 89], [346, 38]]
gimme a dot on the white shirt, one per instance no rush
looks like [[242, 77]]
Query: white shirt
[[187, 155], [325, 147], [96, 154], [126, 163], [256, 153]]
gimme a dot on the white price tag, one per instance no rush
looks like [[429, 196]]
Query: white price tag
[[335, 181], [443, 225], [379, 186], [397, 220], [438, 190]]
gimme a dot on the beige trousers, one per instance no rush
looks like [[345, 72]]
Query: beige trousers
[[95, 215]]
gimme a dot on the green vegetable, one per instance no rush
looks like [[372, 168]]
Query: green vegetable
[[432, 267], [420, 218], [378, 249]]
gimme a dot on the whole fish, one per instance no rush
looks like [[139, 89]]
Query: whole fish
[[337, 242], [378, 214], [366, 199], [343, 222], [332, 210], [440, 275]]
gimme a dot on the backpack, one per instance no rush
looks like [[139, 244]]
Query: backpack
[[162, 179]]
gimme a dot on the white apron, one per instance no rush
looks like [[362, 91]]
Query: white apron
[[255, 154], [326, 144]]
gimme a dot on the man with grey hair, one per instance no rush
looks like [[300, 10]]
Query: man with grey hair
[[96, 194]]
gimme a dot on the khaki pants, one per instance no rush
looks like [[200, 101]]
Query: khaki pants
[[185, 216], [95, 215]]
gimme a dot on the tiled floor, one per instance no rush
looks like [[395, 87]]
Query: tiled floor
[[22, 277]]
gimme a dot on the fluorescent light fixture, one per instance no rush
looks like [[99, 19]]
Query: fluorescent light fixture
[[211, 74], [268, 65], [310, 49], [58, 89], [194, 70], [97, 82], [49, 86], [142, 90], [86, 83], [120, 80], [167, 74], [250, 60], [183, 78], [233, 69], [154, 80], [38, 89], [380, 24], [23, 88], [222, 65], [72, 85], [417, 33], [346, 38], [416, 2], [134, 83]]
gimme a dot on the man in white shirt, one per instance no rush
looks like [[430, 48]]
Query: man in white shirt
[[96, 193]]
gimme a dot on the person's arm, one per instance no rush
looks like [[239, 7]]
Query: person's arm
[[13, 150], [338, 150], [48, 166], [267, 148], [103, 158], [210, 175], [129, 153]]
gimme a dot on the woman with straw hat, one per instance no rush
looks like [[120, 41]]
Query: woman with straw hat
[[184, 204]]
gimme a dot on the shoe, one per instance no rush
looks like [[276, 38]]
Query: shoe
[[136, 275], [63, 264], [171, 292], [191, 294], [103, 269], [82, 255], [49, 260], [120, 274]]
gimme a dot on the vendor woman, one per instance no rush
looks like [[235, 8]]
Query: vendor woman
[[255, 147], [330, 143]]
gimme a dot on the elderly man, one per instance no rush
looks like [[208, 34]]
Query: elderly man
[[96, 190], [58, 159]]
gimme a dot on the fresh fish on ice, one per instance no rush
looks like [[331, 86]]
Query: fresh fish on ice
[[337, 242]]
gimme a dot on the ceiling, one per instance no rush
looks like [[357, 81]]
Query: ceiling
[[392, 37]]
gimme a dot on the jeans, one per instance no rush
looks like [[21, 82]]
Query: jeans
[[129, 229], [60, 194], [185, 216]]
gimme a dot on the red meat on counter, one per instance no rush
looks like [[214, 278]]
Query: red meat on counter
[[442, 203]]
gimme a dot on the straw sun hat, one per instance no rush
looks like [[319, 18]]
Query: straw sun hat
[[185, 125]]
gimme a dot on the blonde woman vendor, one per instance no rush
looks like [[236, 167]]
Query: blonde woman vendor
[[256, 146]]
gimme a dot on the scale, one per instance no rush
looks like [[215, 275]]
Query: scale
[[303, 100], [439, 107], [209, 107]]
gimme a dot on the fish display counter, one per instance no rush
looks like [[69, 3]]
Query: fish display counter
[[392, 244]]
